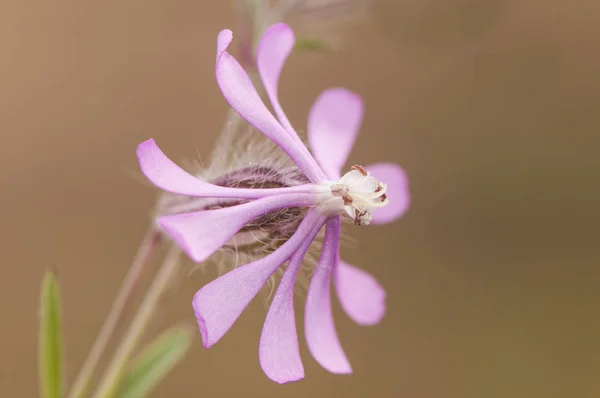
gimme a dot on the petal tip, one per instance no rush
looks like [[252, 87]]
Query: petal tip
[[223, 40], [203, 331], [376, 315], [343, 92], [149, 141], [144, 147], [292, 380], [339, 365], [398, 192], [206, 342], [279, 28], [290, 377], [376, 319], [378, 312], [170, 229], [342, 370], [226, 35]]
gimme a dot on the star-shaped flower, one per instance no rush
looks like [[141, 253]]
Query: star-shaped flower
[[377, 193]]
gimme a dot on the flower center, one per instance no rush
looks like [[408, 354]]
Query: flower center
[[357, 193]]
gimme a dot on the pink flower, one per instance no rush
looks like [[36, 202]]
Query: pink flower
[[333, 124]]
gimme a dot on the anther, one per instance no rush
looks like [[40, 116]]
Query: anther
[[362, 217], [360, 169], [339, 190]]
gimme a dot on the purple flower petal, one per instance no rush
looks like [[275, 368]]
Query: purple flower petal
[[360, 294], [321, 336], [201, 233], [397, 191], [278, 350], [223, 40], [333, 125], [165, 174], [238, 90], [218, 304], [274, 48], [276, 44]]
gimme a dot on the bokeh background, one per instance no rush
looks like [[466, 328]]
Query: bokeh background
[[490, 105]]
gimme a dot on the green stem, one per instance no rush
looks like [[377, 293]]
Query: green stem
[[127, 290], [110, 381]]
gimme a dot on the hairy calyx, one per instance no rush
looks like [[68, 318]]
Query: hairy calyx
[[265, 232]]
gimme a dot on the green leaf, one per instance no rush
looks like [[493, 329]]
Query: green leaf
[[155, 361], [50, 354], [308, 44]]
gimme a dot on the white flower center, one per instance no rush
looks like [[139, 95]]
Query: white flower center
[[357, 193]]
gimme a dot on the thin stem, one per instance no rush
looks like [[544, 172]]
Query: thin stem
[[127, 290], [282, 10], [252, 25], [245, 35], [110, 381]]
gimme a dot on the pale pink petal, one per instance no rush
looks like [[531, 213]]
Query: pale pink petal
[[275, 46], [218, 304], [397, 192], [165, 174], [321, 336], [333, 125], [223, 40], [278, 350], [201, 233], [238, 90], [361, 296]]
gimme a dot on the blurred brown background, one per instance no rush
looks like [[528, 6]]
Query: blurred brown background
[[490, 105]]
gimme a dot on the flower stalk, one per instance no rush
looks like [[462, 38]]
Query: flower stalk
[[110, 381], [126, 292]]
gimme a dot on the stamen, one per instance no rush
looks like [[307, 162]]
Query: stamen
[[339, 190], [360, 169], [362, 217], [360, 192]]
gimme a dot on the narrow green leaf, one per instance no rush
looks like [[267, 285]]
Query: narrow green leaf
[[50, 354], [308, 44], [155, 361]]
